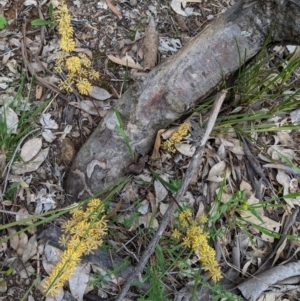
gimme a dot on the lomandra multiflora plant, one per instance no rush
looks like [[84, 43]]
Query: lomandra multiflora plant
[[195, 237], [176, 137], [82, 234], [79, 71]]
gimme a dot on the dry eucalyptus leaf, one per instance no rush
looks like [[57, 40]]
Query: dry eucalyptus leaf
[[23, 241], [99, 93], [144, 207], [79, 281], [185, 149], [19, 168], [150, 46], [51, 257], [90, 107], [276, 152], [160, 191], [113, 8], [264, 222], [30, 2], [21, 214], [30, 149], [125, 62], [218, 171], [31, 249], [163, 208]]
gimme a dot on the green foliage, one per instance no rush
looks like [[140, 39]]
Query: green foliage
[[43, 22], [3, 22], [174, 184]]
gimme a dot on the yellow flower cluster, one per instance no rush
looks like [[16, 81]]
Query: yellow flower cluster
[[78, 67], [197, 239], [66, 31], [176, 137], [82, 234]]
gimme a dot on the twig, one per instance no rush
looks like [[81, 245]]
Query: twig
[[12, 160], [185, 183]]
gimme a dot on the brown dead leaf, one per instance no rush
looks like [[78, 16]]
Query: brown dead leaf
[[150, 46], [155, 153], [113, 8], [125, 62], [38, 92]]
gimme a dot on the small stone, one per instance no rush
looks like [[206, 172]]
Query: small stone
[[133, 2], [209, 17]]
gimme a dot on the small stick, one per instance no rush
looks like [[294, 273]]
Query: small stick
[[185, 183]]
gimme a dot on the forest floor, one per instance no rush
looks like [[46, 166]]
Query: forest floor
[[247, 188]]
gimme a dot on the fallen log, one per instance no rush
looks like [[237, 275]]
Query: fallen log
[[177, 85]]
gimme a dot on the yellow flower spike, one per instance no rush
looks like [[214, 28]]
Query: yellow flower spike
[[84, 86], [93, 74], [67, 45], [176, 234], [81, 237], [176, 137], [202, 218], [85, 60], [197, 239], [73, 64]]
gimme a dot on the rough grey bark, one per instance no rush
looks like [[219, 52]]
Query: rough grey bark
[[177, 85]]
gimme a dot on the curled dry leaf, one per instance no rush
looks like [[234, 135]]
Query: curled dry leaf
[[47, 122], [125, 62], [30, 149], [155, 152]]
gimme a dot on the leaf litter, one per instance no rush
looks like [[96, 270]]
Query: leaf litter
[[225, 153]]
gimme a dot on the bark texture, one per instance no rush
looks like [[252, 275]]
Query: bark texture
[[177, 85]]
